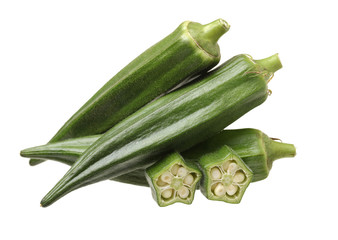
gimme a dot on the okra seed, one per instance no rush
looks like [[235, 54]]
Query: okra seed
[[182, 171], [239, 177], [174, 169], [160, 183], [213, 187], [232, 167], [219, 190], [183, 192], [167, 193], [231, 189], [225, 165], [189, 179], [166, 177], [215, 173]]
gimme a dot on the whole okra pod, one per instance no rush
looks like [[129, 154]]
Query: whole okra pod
[[190, 50]]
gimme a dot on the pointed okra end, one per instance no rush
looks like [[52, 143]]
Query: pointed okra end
[[225, 176], [173, 180], [34, 162]]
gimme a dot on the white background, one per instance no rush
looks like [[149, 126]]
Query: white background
[[54, 55]]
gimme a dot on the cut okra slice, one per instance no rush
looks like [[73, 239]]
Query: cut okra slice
[[173, 180], [225, 175]]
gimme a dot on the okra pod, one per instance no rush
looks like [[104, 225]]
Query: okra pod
[[190, 50], [256, 149], [176, 121]]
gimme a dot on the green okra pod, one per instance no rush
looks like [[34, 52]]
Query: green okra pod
[[188, 51], [176, 121], [256, 149], [173, 180], [69, 150]]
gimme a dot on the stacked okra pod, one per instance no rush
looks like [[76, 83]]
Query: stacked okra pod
[[174, 143]]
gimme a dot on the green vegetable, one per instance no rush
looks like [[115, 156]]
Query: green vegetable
[[69, 150], [65, 151], [191, 49], [173, 180], [256, 149], [225, 175], [177, 121]]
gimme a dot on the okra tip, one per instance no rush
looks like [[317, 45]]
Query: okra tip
[[34, 162], [272, 63], [27, 153], [57, 192], [23, 153]]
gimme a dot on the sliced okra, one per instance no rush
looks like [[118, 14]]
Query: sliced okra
[[173, 180], [225, 175]]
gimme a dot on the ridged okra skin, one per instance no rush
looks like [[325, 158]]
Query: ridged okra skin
[[225, 175], [177, 121], [190, 50], [69, 150], [66, 151], [173, 180], [255, 148]]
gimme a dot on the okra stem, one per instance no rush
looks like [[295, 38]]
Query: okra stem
[[214, 30], [277, 150], [272, 63]]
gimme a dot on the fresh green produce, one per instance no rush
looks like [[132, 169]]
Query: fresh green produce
[[191, 49], [65, 151], [69, 150], [177, 121], [172, 180], [225, 175], [256, 149]]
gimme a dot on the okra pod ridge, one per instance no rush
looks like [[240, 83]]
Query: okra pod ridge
[[191, 49]]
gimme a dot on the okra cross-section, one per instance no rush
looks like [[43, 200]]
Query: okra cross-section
[[225, 175], [173, 180]]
